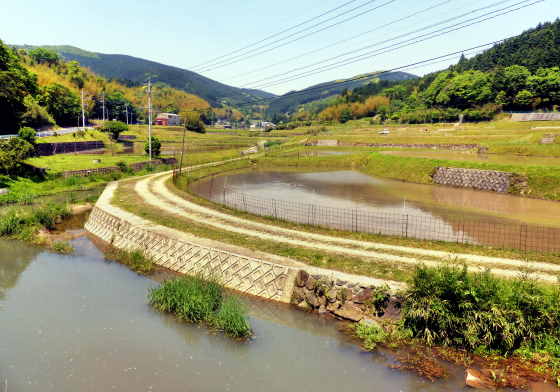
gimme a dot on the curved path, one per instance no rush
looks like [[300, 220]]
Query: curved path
[[153, 190]]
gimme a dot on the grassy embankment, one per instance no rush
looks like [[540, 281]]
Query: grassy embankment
[[198, 299], [66, 162]]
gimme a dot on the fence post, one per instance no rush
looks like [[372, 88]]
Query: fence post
[[274, 207], [245, 202], [355, 220], [406, 232]]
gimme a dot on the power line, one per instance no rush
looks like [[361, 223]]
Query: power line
[[276, 34], [239, 58], [391, 39], [402, 44], [408, 66], [344, 40]]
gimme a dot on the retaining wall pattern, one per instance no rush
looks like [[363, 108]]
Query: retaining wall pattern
[[486, 180], [244, 274], [535, 117]]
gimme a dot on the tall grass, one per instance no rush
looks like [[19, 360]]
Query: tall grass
[[197, 299], [19, 221], [479, 312], [135, 260]]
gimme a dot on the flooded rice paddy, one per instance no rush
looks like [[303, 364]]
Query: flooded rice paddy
[[350, 200], [81, 323]]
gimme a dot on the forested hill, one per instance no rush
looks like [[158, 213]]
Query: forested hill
[[289, 102], [135, 70], [535, 48]]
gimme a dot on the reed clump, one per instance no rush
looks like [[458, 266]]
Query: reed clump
[[24, 223], [197, 299]]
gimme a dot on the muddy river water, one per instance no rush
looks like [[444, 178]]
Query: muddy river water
[[351, 200], [81, 323]]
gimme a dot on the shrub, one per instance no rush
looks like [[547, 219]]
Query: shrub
[[28, 134], [447, 305], [48, 215], [62, 247], [136, 260], [123, 167], [370, 334], [11, 223]]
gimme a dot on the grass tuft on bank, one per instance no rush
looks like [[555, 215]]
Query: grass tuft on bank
[[197, 299], [135, 260]]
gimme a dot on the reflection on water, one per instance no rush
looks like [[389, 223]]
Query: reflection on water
[[79, 323], [390, 207]]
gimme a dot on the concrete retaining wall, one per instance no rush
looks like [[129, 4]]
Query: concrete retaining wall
[[486, 180], [47, 149], [535, 117], [111, 169]]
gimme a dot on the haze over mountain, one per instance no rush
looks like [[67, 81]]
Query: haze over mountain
[[134, 71]]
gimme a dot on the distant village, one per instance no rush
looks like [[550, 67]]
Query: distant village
[[171, 119]]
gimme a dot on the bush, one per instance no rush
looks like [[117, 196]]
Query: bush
[[370, 334], [62, 247], [114, 128], [156, 147], [48, 215], [136, 260], [28, 134], [449, 306]]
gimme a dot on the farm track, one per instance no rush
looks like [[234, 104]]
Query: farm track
[[154, 191]]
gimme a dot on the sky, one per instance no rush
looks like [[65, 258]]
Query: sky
[[188, 34]]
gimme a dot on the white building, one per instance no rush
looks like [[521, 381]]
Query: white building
[[168, 119]]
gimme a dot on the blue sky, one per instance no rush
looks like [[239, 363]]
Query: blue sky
[[188, 33]]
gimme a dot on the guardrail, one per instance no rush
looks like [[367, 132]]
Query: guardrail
[[62, 131]]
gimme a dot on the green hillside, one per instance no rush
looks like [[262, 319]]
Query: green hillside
[[535, 48], [289, 102], [133, 71]]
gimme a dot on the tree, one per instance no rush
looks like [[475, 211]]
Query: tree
[[28, 134], [44, 56], [466, 90], [194, 123], [345, 115], [15, 84], [35, 115], [61, 103], [12, 154], [114, 128], [545, 84], [156, 147], [524, 99]]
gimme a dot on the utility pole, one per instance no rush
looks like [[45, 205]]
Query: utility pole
[[126, 109], [83, 112], [150, 118], [103, 102]]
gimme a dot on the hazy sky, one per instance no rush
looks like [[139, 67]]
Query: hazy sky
[[188, 33]]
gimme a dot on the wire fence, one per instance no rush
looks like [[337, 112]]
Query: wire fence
[[30, 200], [452, 228]]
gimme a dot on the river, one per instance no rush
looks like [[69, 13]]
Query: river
[[82, 323]]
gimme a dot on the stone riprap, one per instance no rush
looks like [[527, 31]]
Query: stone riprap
[[485, 180], [342, 299]]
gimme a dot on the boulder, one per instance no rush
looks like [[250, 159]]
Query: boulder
[[298, 295], [301, 278], [363, 296], [333, 306], [311, 283], [349, 311], [331, 295], [542, 387], [312, 299], [345, 295], [475, 379], [304, 305], [368, 321], [341, 282], [322, 309]]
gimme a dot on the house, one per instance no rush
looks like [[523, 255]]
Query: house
[[168, 119]]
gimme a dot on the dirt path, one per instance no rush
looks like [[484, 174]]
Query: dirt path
[[153, 191]]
